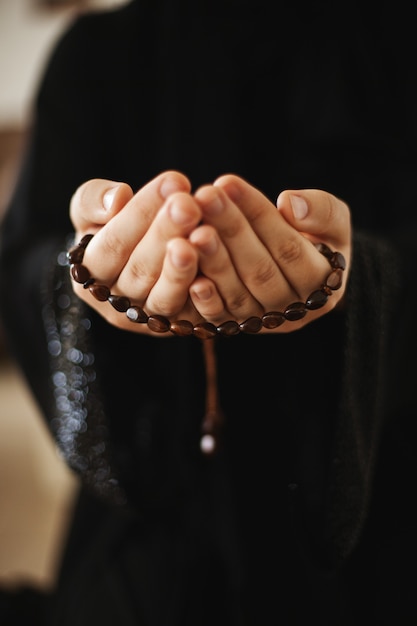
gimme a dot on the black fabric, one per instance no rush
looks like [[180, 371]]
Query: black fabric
[[307, 512]]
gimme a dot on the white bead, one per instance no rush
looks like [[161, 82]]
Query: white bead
[[207, 444]]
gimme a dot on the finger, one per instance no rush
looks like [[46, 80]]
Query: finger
[[177, 218], [231, 297], [321, 216], [283, 241], [170, 292], [298, 261], [169, 297], [113, 244], [255, 236], [96, 202], [208, 302]]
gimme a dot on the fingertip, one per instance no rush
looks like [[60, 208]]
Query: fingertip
[[210, 199], [293, 202], [232, 185], [115, 197], [181, 253], [97, 200], [204, 239], [202, 290], [109, 196], [173, 181], [299, 207], [316, 212]]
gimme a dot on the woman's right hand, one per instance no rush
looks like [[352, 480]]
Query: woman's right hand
[[140, 247]]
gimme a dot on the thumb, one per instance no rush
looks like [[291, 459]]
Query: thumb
[[96, 201], [317, 214]]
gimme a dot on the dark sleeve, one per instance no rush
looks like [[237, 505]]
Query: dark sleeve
[[372, 463]]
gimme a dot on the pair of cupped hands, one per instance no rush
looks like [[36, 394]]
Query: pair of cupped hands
[[222, 252]]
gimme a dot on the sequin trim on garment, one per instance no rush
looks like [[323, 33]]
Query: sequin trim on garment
[[79, 424]]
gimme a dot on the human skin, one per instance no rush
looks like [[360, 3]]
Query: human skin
[[222, 252]]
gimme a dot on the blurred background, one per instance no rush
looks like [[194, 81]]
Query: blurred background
[[35, 485]]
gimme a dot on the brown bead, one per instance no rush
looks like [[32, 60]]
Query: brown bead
[[205, 330], [182, 328], [100, 292], [76, 254], [85, 240], [324, 250], [251, 326], [316, 299], [120, 303], [338, 261], [335, 279], [158, 323], [295, 311], [79, 273], [273, 319], [136, 314], [228, 329]]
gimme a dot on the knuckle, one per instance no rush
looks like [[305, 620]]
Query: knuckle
[[113, 246], [160, 306], [264, 273], [237, 301], [139, 272], [290, 252], [232, 230]]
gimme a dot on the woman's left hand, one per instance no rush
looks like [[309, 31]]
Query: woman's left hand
[[256, 257]]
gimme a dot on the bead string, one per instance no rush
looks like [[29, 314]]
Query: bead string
[[213, 418], [206, 330]]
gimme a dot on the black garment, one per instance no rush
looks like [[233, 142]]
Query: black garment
[[306, 514]]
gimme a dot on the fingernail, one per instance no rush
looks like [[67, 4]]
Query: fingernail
[[232, 190], [299, 207], [214, 206], [169, 186], [209, 247], [177, 259], [203, 293], [178, 215], [108, 198]]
